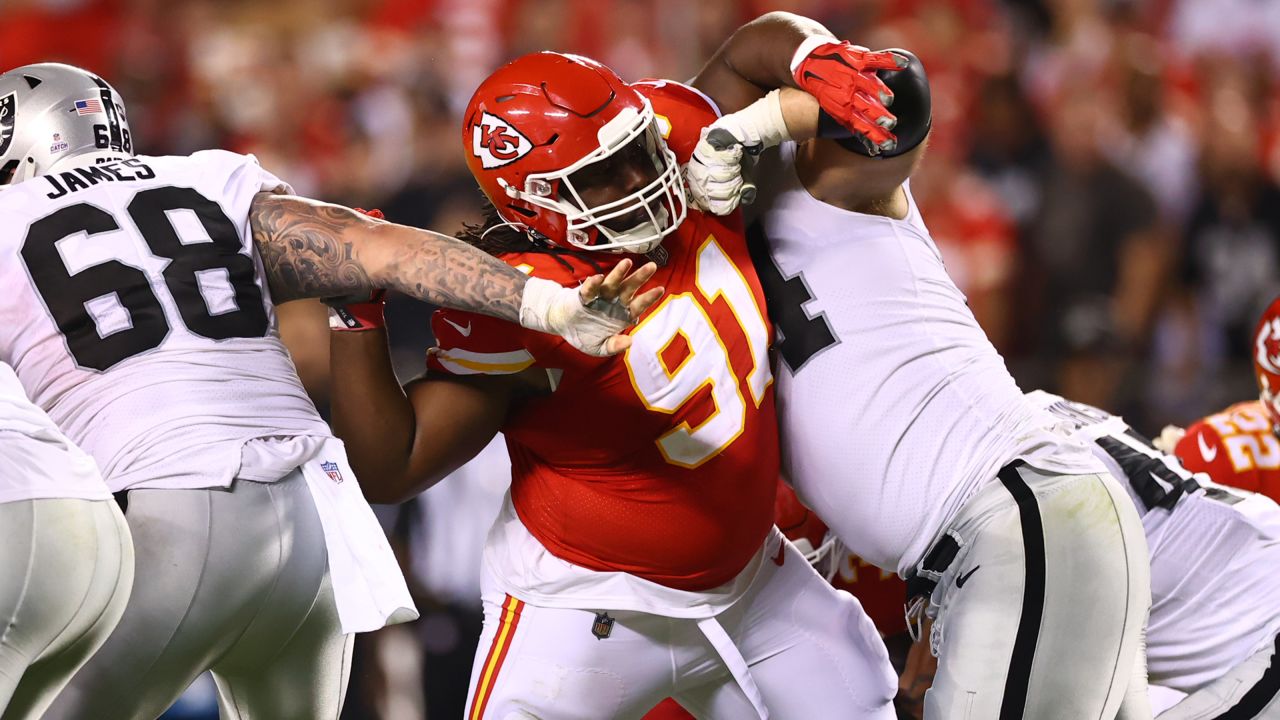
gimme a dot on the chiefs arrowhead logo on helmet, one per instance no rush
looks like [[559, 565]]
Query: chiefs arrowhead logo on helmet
[[1266, 360], [497, 143], [1268, 345]]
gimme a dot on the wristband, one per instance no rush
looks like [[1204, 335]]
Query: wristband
[[807, 46], [357, 316]]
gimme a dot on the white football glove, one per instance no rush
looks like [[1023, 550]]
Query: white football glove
[[714, 173], [552, 308], [714, 177], [1169, 438]]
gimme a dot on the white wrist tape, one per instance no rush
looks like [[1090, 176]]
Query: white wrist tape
[[548, 307], [541, 306], [776, 125], [758, 125]]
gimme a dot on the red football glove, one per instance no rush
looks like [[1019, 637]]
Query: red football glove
[[359, 313], [842, 77], [348, 314]]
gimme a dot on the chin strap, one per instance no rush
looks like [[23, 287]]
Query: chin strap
[[521, 227]]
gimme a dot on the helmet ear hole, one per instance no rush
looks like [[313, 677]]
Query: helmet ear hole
[[7, 171]]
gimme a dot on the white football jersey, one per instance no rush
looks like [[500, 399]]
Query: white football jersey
[[894, 407], [136, 314], [1215, 595], [36, 459]]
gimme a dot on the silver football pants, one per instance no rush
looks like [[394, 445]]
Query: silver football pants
[[231, 580], [1040, 613]]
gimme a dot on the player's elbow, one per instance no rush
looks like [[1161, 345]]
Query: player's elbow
[[777, 17], [387, 491], [778, 24], [389, 484]]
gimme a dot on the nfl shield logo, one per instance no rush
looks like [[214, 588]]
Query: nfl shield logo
[[603, 626], [331, 469]]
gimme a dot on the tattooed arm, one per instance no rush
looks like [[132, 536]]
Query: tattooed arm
[[313, 249]]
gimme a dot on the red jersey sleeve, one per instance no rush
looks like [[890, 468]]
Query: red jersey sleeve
[[471, 344], [682, 112], [1202, 450], [1236, 447]]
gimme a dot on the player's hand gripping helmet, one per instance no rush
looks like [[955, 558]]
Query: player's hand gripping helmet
[[566, 149], [51, 113], [1266, 361]]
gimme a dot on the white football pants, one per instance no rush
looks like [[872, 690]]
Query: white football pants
[[66, 568], [1250, 690], [811, 651], [1040, 614]]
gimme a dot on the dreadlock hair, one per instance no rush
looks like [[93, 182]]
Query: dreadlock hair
[[496, 236]]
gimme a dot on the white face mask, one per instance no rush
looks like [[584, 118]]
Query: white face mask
[[662, 200], [639, 239]]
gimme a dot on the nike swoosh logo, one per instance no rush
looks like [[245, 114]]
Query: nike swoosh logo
[[1208, 453], [464, 331], [960, 581]]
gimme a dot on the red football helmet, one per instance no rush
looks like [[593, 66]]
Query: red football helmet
[[566, 149], [1266, 360]]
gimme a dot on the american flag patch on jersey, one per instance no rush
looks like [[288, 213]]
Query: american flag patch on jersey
[[331, 469], [88, 107]]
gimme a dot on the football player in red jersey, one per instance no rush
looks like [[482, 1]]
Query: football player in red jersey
[[636, 557], [1239, 446]]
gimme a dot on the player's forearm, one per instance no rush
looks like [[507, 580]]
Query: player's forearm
[[756, 59], [454, 419], [370, 412], [313, 249], [800, 112], [403, 440]]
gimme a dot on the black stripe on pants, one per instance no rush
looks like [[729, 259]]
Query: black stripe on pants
[[1260, 695], [1024, 644]]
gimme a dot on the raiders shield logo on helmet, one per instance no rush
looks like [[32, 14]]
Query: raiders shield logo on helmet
[[8, 107], [496, 142]]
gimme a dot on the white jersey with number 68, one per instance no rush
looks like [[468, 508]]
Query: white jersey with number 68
[[136, 314]]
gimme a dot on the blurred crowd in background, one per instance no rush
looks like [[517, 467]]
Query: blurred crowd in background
[[1102, 177]]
